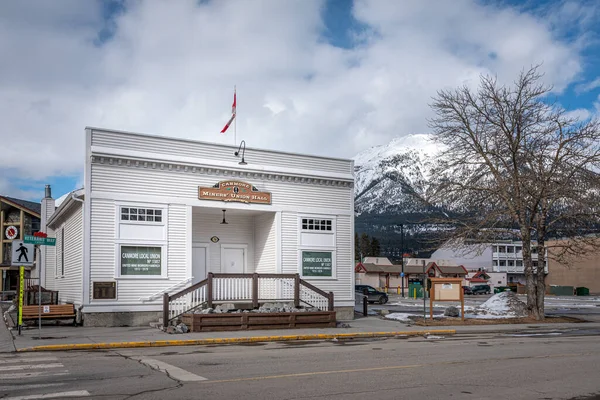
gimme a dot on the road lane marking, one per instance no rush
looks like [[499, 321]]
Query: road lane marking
[[28, 359], [342, 371], [26, 367], [61, 395], [32, 374], [171, 370], [302, 374], [26, 387]]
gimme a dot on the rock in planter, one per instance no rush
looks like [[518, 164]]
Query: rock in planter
[[452, 311], [181, 328], [223, 308]]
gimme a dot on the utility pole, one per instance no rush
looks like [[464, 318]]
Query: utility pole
[[402, 255]]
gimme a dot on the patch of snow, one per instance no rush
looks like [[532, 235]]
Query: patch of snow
[[489, 316], [403, 317], [501, 305], [61, 199]]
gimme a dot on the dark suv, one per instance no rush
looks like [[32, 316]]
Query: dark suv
[[481, 289], [373, 295]]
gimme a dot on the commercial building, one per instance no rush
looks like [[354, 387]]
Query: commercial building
[[502, 257], [157, 214], [575, 270]]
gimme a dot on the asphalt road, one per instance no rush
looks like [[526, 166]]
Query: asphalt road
[[553, 366]]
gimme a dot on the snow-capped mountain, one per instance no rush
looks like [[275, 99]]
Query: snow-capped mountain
[[393, 178]]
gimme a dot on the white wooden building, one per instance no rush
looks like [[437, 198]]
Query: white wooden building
[[149, 220]]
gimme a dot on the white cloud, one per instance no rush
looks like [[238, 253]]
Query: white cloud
[[588, 86], [580, 114], [171, 66]]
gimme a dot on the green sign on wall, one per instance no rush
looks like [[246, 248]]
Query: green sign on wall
[[141, 260], [43, 241], [317, 263]]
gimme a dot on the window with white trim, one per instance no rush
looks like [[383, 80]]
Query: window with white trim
[[141, 241], [141, 214], [317, 224]]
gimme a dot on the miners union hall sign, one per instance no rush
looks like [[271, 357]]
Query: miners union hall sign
[[234, 191]]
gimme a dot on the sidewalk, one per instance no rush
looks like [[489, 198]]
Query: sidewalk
[[73, 338]]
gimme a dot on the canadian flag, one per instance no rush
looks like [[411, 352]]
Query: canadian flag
[[232, 115]]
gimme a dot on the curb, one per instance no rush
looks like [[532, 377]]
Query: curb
[[200, 342]]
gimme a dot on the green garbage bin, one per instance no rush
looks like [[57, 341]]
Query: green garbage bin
[[582, 291]]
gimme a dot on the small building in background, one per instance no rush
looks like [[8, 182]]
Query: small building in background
[[577, 271], [378, 272], [17, 219]]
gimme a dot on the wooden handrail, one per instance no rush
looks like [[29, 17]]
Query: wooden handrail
[[314, 288], [188, 289]]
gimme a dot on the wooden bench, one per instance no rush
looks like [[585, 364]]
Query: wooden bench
[[52, 311]]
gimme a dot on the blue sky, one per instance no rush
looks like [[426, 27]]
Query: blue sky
[[330, 77]]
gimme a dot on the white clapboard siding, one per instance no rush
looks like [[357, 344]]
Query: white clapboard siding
[[289, 243], [265, 237], [238, 230], [342, 285], [210, 151], [184, 185], [103, 262], [102, 243], [69, 285], [177, 244], [50, 261]]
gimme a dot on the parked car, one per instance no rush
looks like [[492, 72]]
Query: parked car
[[373, 295], [467, 290], [500, 289], [481, 289]]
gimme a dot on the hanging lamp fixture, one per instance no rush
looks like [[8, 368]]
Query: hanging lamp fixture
[[224, 222]]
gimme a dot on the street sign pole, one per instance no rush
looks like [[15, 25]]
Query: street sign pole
[[39, 239], [39, 296], [21, 290]]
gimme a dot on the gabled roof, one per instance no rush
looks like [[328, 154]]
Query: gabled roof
[[477, 280], [33, 208], [378, 269], [414, 269], [481, 275], [377, 260], [65, 205], [448, 269]]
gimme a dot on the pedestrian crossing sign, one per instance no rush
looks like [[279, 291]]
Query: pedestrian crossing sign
[[22, 253]]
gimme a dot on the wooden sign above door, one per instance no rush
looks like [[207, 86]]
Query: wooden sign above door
[[234, 191]]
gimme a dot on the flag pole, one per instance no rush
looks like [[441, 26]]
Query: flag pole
[[235, 118]]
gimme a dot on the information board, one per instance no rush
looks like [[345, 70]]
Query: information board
[[141, 260], [317, 263]]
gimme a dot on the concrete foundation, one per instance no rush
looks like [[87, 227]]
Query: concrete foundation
[[344, 313], [111, 319]]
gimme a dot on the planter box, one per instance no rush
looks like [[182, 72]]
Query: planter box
[[256, 321]]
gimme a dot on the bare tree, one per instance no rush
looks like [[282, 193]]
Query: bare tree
[[515, 164]]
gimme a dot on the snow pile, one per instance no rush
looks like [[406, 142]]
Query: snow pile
[[505, 304], [406, 317], [403, 317]]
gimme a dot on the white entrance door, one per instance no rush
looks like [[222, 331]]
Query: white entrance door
[[233, 259], [198, 263]]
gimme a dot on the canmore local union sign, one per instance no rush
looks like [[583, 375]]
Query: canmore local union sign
[[234, 191]]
